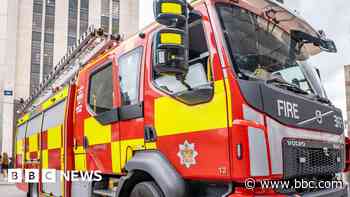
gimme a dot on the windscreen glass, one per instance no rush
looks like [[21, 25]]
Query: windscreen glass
[[261, 50]]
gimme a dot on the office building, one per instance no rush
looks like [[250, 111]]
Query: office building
[[35, 34]]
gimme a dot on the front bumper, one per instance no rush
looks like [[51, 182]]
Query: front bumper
[[339, 192]]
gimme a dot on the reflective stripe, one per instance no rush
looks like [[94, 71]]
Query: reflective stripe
[[127, 148], [96, 133], [55, 99], [116, 165], [151, 145], [170, 38], [252, 115], [229, 101], [27, 156], [19, 146], [80, 162], [184, 118], [171, 8], [23, 119], [79, 150], [33, 143], [45, 159], [62, 158], [54, 137], [259, 165]]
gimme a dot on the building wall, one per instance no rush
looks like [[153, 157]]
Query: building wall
[[8, 40], [129, 17], [18, 23], [61, 29], [24, 46], [347, 91]]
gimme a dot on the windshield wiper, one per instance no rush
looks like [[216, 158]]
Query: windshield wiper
[[323, 100], [286, 85], [291, 87]]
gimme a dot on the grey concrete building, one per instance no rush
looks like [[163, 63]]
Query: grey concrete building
[[35, 34], [347, 92]]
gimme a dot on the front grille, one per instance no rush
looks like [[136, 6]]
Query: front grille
[[307, 158]]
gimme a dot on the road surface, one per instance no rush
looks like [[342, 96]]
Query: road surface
[[10, 190]]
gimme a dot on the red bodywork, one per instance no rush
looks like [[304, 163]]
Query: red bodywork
[[217, 160]]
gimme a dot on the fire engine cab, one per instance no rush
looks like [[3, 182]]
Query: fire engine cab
[[215, 93]]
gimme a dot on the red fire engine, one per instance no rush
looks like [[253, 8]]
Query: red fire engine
[[216, 93]]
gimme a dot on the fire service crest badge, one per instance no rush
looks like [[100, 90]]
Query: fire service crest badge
[[187, 154]]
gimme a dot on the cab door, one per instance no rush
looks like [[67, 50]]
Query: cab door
[[129, 76], [191, 117], [96, 133]]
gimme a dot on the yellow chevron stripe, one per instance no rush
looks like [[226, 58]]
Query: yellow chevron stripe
[[54, 139], [33, 143], [96, 133], [19, 146], [184, 118], [116, 165], [24, 119], [55, 99], [45, 159], [80, 162], [127, 147], [151, 146]]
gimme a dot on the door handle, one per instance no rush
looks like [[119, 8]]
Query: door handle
[[85, 142], [150, 134]]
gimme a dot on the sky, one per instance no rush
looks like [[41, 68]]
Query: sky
[[332, 16]]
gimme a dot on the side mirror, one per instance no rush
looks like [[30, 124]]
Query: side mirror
[[171, 43], [321, 41], [170, 12], [328, 46], [170, 52]]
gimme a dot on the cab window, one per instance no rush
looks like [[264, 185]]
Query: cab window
[[193, 90], [129, 74], [100, 97]]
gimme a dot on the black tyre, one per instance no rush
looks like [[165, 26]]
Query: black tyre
[[146, 189]]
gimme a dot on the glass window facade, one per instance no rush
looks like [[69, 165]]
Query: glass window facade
[[84, 16], [115, 16], [43, 28], [49, 35], [73, 18], [72, 22], [36, 44], [105, 14], [38, 36]]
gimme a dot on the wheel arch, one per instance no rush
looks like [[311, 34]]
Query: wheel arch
[[152, 165]]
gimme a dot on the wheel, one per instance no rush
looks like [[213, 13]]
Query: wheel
[[146, 189], [33, 190]]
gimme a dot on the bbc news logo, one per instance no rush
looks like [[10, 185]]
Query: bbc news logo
[[51, 176]]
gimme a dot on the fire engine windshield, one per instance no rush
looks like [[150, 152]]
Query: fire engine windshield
[[261, 50]]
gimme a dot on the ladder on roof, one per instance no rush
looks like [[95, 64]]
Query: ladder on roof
[[91, 44]]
